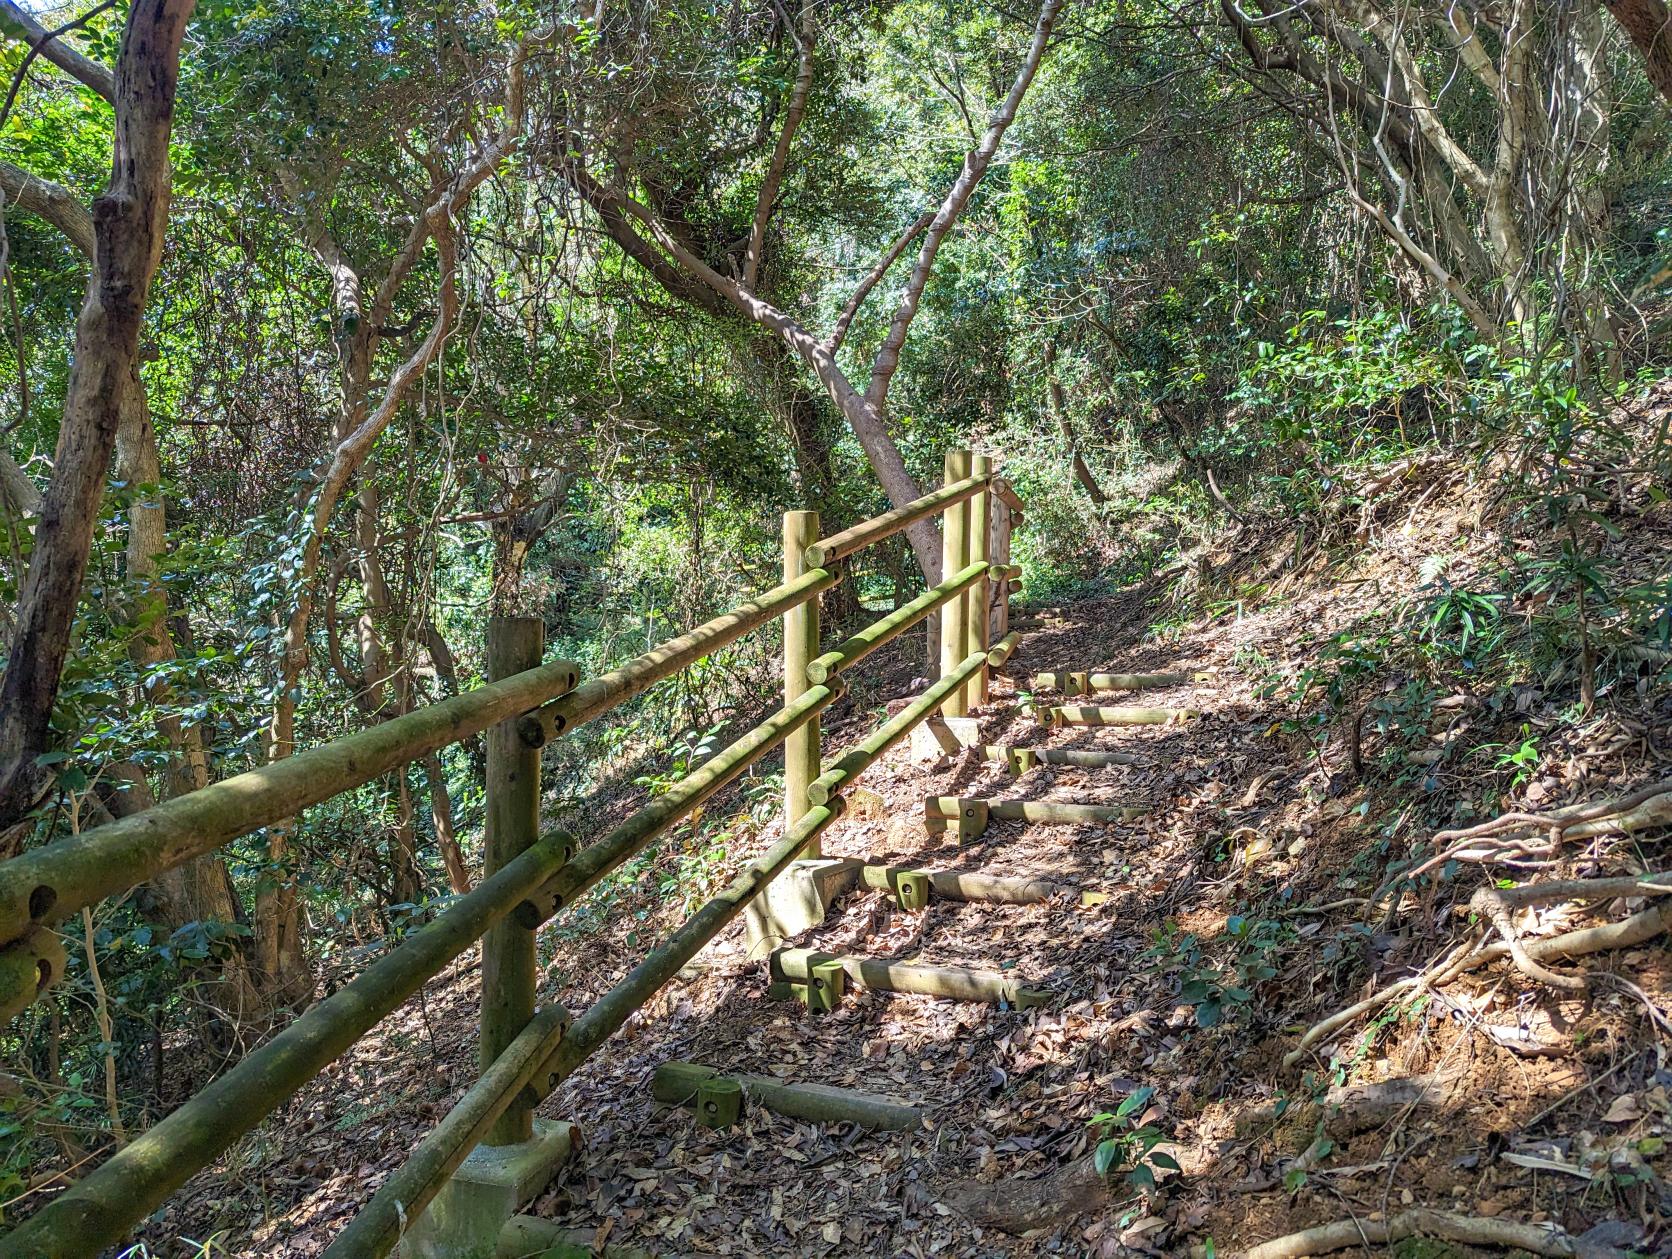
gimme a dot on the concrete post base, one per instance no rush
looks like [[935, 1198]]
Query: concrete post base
[[798, 899], [464, 1220], [944, 736]]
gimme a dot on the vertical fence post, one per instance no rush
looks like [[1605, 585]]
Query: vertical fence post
[[515, 643], [999, 549], [955, 546], [801, 645], [975, 620]]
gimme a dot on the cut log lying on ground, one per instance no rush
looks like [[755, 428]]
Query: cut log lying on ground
[[1020, 1206], [957, 983], [675, 1084], [1085, 715], [1637, 929], [1063, 756], [1052, 812], [530, 1237], [953, 886], [1061, 681], [1466, 1230]]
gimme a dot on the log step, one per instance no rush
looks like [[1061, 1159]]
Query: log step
[[968, 816], [986, 889], [958, 983], [1086, 715], [1020, 760], [681, 1083], [1082, 682]]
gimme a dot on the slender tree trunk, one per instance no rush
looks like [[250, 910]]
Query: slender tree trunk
[[1059, 412], [1649, 25], [129, 221]]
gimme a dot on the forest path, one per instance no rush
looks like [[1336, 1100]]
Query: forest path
[[1006, 1092]]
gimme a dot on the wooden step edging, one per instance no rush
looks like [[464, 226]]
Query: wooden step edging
[[1083, 682], [1020, 760], [1089, 715], [986, 889], [791, 967], [969, 816], [682, 1084]]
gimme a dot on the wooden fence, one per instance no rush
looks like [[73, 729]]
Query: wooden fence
[[528, 876]]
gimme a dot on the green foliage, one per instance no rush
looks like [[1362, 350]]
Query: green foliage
[[1127, 1140]]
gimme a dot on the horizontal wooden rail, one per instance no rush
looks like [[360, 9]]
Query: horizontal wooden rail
[[890, 627], [101, 1208], [598, 695], [377, 1228], [637, 832], [52, 882], [827, 551], [858, 759]]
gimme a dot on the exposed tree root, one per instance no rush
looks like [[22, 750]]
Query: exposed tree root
[[1514, 836], [1420, 1222], [1016, 1206], [1615, 935]]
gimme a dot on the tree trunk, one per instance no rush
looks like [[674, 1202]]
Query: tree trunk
[[1059, 412], [129, 220], [1649, 24]]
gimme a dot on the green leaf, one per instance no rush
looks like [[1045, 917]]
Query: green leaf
[[1167, 1161], [1105, 1157]]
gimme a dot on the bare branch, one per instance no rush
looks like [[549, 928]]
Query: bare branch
[[15, 23], [976, 162], [767, 199], [874, 277]]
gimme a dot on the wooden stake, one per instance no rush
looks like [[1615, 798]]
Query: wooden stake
[[678, 1084], [801, 647], [1080, 715], [1112, 681], [955, 982], [1060, 756], [955, 886], [975, 619], [955, 558], [513, 804]]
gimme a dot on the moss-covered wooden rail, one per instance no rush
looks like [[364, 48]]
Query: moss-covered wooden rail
[[528, 876]]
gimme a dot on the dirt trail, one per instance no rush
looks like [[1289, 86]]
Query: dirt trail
[[1232, 923]]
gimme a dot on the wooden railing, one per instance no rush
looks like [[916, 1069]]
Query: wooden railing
[[528, 876]]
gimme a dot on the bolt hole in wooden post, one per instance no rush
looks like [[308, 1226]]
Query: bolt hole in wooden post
[[513, 806], [41, 901], [801, 647]]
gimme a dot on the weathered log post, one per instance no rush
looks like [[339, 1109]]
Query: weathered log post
[[955, 547], [801, 647], [515, 643], [975, 620]]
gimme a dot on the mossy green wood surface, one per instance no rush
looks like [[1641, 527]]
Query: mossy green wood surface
[[101, 1209], [377, 1228], [596, 860], [27, 968], [599, 695], [1083, 757], [563, 1053], [911, 890], [966, 816], [975, 614], [719, 1102], [1052, 812], [513, 825], [1084, 715], [613, 1009], [677, 1084], [801, 645], [1004, 649], [956, 886], [862, 644], [958, 983], [955, 550], [1112, 681], [846, 768], [827, 550], [821, 992], [529, 1237], [50, 883]]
